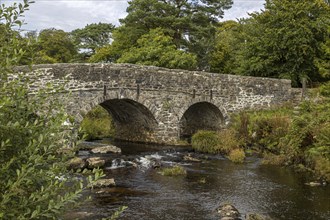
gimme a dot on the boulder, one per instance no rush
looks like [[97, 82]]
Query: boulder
[[256, 216], [95, 162], [106, 149], [228, 212], [76, 163], [102, 183]]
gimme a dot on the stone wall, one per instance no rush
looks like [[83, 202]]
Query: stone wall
[[154, 100]]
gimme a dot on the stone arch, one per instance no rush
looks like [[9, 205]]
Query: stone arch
[[202, 115], [133, 116], [133, 121]]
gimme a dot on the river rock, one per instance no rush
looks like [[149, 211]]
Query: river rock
[[95, 162], [256, 216], [77, 163], [106, 149], [228, 212], [190, 158], [101, 183]]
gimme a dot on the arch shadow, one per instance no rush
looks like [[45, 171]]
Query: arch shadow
[[200, 116], [133, 121]]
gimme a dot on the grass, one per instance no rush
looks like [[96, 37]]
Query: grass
[[215, 142], [173, 171], [237, 155]]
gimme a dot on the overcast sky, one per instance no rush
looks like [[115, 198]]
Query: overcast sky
[[71, 14]]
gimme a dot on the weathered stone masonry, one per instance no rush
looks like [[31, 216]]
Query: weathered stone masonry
[[157, 104]]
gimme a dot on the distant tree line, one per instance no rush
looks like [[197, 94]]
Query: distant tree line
[[289, 39]]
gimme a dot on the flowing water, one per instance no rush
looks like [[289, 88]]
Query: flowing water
[[251, 187]]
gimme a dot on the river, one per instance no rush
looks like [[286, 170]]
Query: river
[[276, 192]]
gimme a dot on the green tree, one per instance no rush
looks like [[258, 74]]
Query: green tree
[[228, 41], [55, 46], [157, 49], [92, 37], [284, 40], [34, 180], [190, 24]]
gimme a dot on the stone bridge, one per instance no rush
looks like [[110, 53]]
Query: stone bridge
[[152, 104]]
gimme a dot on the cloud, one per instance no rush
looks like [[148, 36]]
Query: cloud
[[241, 8], [71, 14]]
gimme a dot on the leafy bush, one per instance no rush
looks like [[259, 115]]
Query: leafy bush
[[97, 124], [322, 167], [174, 171], [237, 155], [34, 182], [274, 159], [269, 130], [325, 89], [227, 141]]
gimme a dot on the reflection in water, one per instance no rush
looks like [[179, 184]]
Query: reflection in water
[[251, 187]]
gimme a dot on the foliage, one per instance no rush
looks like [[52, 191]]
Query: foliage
[[189, 24], [228, 41], [92, 37], [237, 155], [215, 142], [55, 46], [325, 89], [34, 182], [322, 167], [285, 39], [205, 141], [157, 49], [227, 141], [97, 124], [292, 136], [174, 171]]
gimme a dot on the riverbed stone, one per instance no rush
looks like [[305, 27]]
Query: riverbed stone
[[77, 163], [106, 149], [190, 158], [102, 183], [228, 212], [95, 162], [256, 216]]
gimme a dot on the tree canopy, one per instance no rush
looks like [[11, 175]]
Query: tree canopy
[[284, 40], [55, 46], [92, 37], [190, 24], [158, 49]]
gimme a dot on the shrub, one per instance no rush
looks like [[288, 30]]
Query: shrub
[[322, 167], [227, 141], [215, 142], [273, 159], [269, 130], [237, 155], [325, 89], [205, 141], [97, 124], [174, 171], [33, 183]]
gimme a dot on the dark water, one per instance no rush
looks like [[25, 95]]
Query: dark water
[[251, 187]]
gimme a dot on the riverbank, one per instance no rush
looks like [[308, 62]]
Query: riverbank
[[297, 136]]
